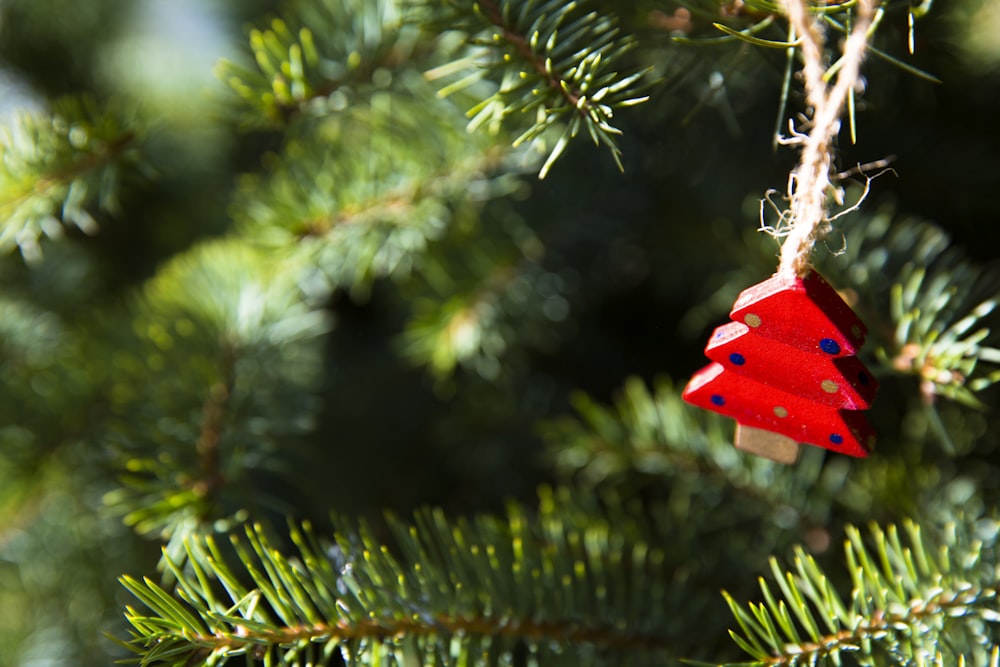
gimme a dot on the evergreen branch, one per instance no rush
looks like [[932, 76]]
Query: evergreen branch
[[61, 167], [911, 598], [458, 591], [942, 307], [212, 424], [224, 366], [936, 344], [552, 59], [477, 328], [485, 299], [649, 442], [656, 434], [318, 57], [367, 204], [462, 329]]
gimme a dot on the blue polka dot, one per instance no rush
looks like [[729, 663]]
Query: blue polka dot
[[829, 345], [737, 358], [718, 400], [863, 377], [836, 438]]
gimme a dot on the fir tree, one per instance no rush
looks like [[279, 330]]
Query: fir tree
[[366, 347]]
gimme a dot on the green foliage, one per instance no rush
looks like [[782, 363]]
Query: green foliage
[[221, 375], [656, 436], [482, 590], [367, 190], [649, 437], [335, 296], [913, 601], [553, 60], [54, 538], [31, 339], [63, 168], [478, 308], [644, 432], [940, 305], [51, 369], [320, 58]]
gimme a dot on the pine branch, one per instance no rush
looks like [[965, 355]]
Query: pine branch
[[911, 599], [476, 309], [452, 592], [364, 194], [462, 329], [318, 58], [223, 368], [60, 168], [656, 434], [548, 58], [941, 327], [650, 444]]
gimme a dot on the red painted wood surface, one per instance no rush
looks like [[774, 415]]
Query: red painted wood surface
[[801, 313], [786, 364], [755, 404], [839, 382]]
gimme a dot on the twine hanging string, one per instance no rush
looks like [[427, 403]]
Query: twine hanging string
[[808, 183]]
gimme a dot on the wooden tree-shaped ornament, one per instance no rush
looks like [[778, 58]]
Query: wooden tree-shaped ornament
[[785, 369]]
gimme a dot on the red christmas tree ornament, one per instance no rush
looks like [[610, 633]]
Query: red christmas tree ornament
[[785, 369]]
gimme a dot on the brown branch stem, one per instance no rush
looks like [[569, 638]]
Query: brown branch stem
[[945, 602], [524, 50], [381, 629], [91, 162], [213, 417]]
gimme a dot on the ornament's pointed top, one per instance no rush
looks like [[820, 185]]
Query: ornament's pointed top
[[805, 312]]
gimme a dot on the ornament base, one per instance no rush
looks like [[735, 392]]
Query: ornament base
[[770, 445]]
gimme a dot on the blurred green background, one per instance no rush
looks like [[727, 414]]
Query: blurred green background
[[638, 266]]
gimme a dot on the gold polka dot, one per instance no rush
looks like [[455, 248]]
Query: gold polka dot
[[856, 331], [780, 412], [829, 386], [752, 320]]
